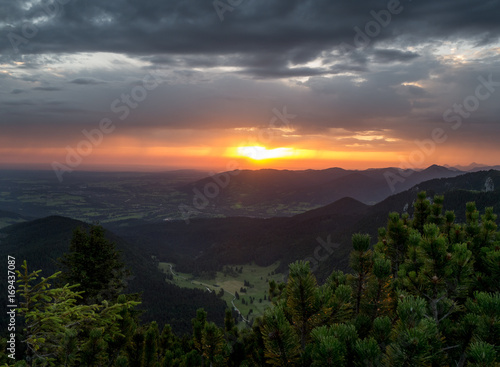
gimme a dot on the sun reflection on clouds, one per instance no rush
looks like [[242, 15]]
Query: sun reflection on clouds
[[460, 53]]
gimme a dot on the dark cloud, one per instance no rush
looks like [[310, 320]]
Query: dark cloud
[[386, 56], [47, 89], [416, 91], [62, 110], [87, 81], [29, 78], [263, 55], [24, 102], [346, 68], [284, 72], [301, 30]]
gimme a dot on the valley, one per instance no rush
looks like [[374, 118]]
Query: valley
[[103, 197], [123, 197], [244, 288], [193, 261]]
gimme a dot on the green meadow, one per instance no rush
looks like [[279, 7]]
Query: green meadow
[[252, 302]]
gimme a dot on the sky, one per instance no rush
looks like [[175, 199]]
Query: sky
[[286, 84]]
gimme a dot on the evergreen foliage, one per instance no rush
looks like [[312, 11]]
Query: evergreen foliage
[[426, 294], [58, 330], [95, 265]]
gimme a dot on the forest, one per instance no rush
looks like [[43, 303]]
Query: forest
[[425, 294]]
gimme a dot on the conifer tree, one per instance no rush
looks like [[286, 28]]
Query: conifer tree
[[380, 286], [281, 341], [361, 262], [151, 352], [198, 325], [422, 210], [426, 295], [135, 351], [214, 348], [57, 330], [95, 265], [327, 350], [127, 323], [167, 339], [393, 241], [300, 302], [436, 211], [94, 350], [413, 336]]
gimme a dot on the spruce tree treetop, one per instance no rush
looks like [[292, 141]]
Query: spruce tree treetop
[[94, 264]]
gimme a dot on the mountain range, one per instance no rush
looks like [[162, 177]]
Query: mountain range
[[321, 235], [205, 244], [268, 193], [109, 197]]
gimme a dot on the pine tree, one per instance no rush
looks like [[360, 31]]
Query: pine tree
[[420, 298], [393, 241], [422, 210], [436, 211], [151, 352], [380, 286], [94, 350], [281, 341], [327, 350], [135, 351], [426, 295], [362, 263], [214, 351], [57, 330], [300, 303], [127, 323], [198, 325], [94, 264], [167, 339], [413, 335]]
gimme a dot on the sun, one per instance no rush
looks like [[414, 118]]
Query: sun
[[258, 153]]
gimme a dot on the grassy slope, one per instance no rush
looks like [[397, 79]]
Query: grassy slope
[[258, 276]]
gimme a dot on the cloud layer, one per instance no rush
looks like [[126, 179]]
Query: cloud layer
[[368, 76]]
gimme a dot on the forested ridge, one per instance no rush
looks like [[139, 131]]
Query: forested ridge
[[209, 244], [426, 294], [42, 241]]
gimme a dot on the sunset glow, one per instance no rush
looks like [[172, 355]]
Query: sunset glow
[[268, 98], [258, 153]]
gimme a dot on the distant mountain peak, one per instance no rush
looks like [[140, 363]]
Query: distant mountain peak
[[436, 167], [346, 206], [471, 166]]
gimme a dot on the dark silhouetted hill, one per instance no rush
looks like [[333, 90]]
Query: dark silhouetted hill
[[42, 241], [207, 244]]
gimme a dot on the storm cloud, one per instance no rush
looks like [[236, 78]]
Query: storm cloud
[[357, 67]]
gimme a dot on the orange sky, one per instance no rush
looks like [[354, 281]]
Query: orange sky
[[128, 154], [178, 88]]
